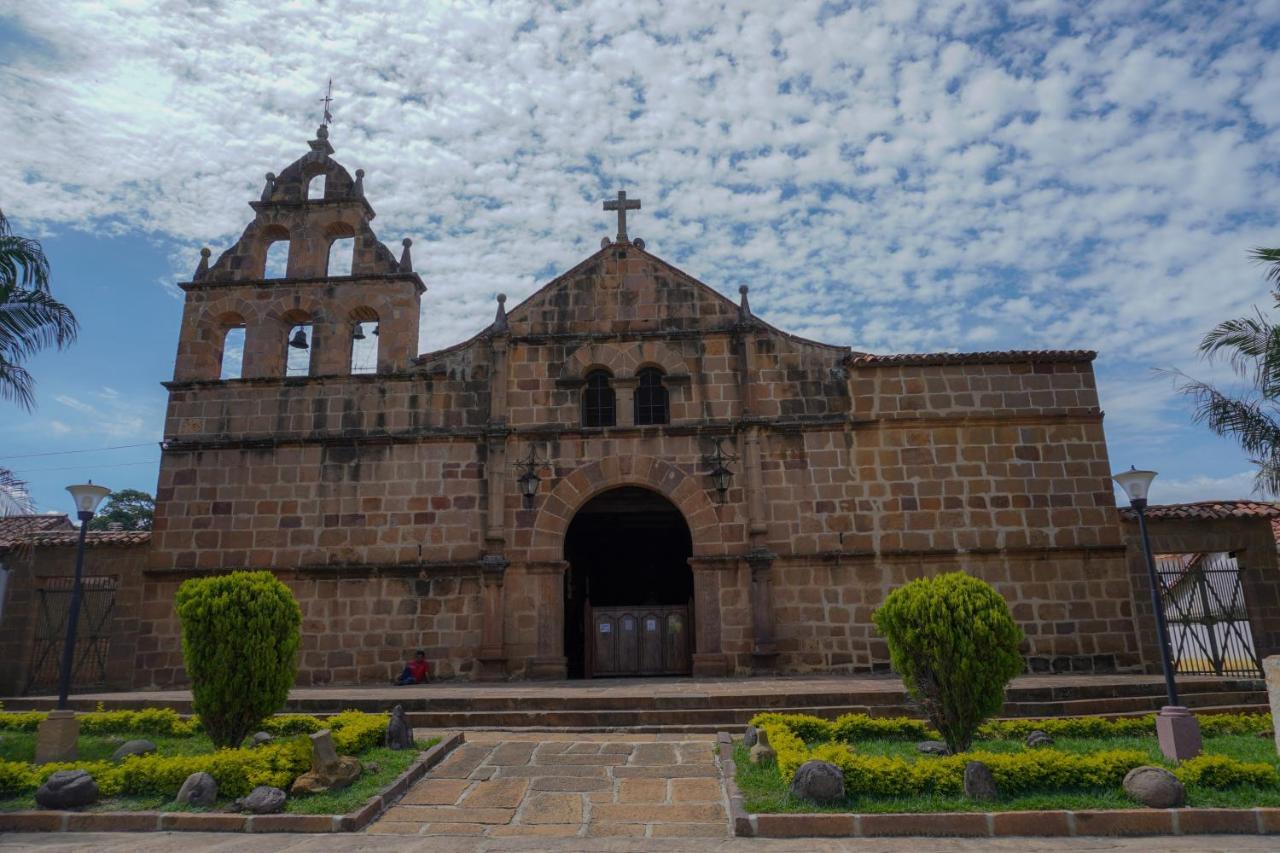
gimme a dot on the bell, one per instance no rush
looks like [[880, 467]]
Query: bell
[[358, 335], [375, 330], [299, 340]]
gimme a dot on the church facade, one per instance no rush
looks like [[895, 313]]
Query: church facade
[[627, 473]]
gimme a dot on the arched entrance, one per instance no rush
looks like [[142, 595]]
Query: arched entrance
[[629, 590]]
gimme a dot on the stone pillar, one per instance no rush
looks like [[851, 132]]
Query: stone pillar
[[764, 651], [1271, 668], [491, 664], [547, 579], [624, 390], [57, 738], [756, 526], [709, 660]]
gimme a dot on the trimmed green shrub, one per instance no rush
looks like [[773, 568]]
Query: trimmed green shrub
[[240, 646], [955, 644]]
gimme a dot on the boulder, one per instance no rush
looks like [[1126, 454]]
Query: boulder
[[1038, 738], [329, 771], [263, 799], [261, 739], [132, 747], [979, 784], [762, 751], [67, 789], [1154, 787], [819, 781], [932, 747], [399, 732], [750, 736], [200, 789]]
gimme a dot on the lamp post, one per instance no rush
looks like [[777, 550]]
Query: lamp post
[[87, 498], [1177, 728]]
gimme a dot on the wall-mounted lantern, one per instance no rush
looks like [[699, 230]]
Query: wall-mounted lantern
[[721, 474], [529, 481]]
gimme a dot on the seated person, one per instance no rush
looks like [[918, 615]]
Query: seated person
[[416, 671]]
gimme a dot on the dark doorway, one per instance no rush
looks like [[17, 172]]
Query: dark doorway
[[629, 589]]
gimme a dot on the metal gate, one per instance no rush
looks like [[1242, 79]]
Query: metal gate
[[93, 634], [1204, 605]]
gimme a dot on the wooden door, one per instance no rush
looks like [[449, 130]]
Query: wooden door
[[639, 641]]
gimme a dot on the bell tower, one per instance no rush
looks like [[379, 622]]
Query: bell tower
[[281, 288]]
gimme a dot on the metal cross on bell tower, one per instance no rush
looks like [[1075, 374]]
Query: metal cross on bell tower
[[622, 205], [327, 100]]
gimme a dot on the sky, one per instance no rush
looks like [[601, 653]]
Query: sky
[[896, 177]]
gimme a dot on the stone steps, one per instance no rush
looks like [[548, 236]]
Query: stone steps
[[651, 717]]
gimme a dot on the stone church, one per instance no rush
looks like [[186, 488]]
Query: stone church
[[627, 473]]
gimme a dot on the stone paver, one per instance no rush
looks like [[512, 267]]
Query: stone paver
[[563, 786]]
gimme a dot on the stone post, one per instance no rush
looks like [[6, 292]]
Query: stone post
[[1271, 668], [57, 737], [491, 665], [709, 660], [764, 652], [624, 388], [548, 583]]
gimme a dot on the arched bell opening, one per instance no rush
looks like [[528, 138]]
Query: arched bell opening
[[629, 589]]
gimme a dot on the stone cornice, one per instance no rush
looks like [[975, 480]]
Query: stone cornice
[[324, 281]]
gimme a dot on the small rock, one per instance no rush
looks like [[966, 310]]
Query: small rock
[[329, 771], [261, 739], [200, 789], [1267, 734], [979, 784], [818, 781], [762, 751], [1154, 787], [399, 732], [133, 747], [932, 747], [1038, 738], [67, 789], [261, 800], [750, 736], [372, 767]]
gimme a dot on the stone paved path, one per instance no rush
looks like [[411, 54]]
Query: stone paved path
[[568, 785]]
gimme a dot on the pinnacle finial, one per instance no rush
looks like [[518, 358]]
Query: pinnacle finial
[[270, 187], [744, 307], [357, 189], [406, 260], [500, 320], [203, 269]]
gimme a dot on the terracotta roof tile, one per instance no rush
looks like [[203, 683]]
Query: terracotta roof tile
[[12, 525], [1208, 510], [1001, 357], [58, 538]]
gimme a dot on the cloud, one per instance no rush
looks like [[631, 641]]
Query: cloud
[[895, 177], [117, 415]]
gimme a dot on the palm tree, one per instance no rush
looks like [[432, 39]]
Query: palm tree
[[1252, 346], [30, 320]]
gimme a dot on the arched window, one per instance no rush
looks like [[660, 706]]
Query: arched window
[[341, 256], [232, 353], [277, 265], [364, 340], [315, 189], [651, 398], [598, 409], [298, 348]]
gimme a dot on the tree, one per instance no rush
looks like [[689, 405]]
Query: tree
[[240, 646], [132, 508], [1251, 345], [955, 644], [30, 320]]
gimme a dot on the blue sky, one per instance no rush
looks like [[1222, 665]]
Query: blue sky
[[894, 177]]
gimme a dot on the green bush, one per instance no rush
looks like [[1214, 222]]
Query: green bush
[[240, 646], [955, 644]]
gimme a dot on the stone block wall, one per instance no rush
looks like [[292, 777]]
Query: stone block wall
[[358, 627], [32, 568]]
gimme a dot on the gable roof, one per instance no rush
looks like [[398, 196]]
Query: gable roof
[[1208, 510], [14, 525]]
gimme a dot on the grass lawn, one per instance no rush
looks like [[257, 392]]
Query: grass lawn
[[20, 746], [765, 792]]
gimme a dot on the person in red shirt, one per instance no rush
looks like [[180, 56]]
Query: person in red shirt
[[416, 671]]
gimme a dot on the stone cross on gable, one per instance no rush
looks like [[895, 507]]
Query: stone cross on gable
[[327, 100], [622, 205]]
